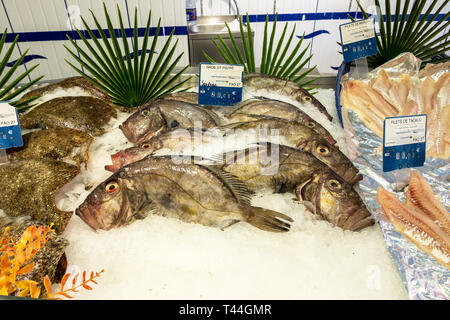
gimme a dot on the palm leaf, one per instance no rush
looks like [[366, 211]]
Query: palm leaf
[[114, 65], [274, 60], [414, 29], [9, 80]]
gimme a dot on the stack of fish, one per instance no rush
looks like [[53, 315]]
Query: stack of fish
[[203, 187]]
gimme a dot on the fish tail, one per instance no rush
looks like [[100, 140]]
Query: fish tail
[[268, 220]]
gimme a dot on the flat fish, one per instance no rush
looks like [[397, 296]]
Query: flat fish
[[87, 114], [186, 191], [284, 87], [63, 144], [68, 83], [49, 261], [29, 187]]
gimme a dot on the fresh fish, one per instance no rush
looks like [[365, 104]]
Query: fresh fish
[[187, 191], [64, 144], [191, 97], [294, 134], [69, 83], [87, 114], [49, 261], [284, 87], [249, 110], [29, 187], [239, 135], [284, 169], [416, 226], [162, 115]]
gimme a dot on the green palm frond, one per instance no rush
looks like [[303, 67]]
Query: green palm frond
[[274, 61], [413, 29], [129, 80], [9, 80]]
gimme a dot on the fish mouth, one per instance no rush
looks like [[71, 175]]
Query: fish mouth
[[119, 160], [127, 132], [90, 216], [358, 219]]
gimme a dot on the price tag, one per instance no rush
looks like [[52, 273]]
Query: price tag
[[10, 134], [404, 142], [358, 39], [220, 84]]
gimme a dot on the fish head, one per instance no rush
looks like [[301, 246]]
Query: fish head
[[329, 196], [133, 154], [145, 123], [111, 204], [333, 158]]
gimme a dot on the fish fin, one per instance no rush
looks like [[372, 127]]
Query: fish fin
[[268, 220], [236, 186], [227, 223]]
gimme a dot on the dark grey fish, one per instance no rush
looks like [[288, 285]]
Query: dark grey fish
[[185, 191]]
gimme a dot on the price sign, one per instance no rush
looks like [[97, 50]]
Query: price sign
[[10, 134], [358, 39], [220, 84], [404, 142]]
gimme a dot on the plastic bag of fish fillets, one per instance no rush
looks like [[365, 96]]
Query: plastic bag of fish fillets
[[397, 88]]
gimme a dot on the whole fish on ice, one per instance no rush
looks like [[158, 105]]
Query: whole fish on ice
[[64, 144], [29, 187], [162, 115], [187, 191], [239, 135], [83, 113], [285, 87]]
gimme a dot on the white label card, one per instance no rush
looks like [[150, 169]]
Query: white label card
[[8, 116], [221, 75], [357, 31], [405, 130]]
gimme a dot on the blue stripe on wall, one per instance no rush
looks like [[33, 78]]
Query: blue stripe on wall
[[182, 30]]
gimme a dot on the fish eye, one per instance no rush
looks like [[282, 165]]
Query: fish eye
[[323, 150], [174, 124], [334, 184], [310, 124], [112, 187], [306, 98], [145, 113], [146, 146]]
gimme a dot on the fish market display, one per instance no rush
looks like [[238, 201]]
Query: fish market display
[[274, 84], [162, 115], [69, 83], [249, 110], [49, 261], [239, 135], [417, 226], [87, 114], [383, 95], [186, 191], [64, 144], [29, 187]]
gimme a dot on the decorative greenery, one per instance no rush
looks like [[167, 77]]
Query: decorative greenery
[[418, 34], [8, 81], [74, 288], [132, 82], [271, 63]]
